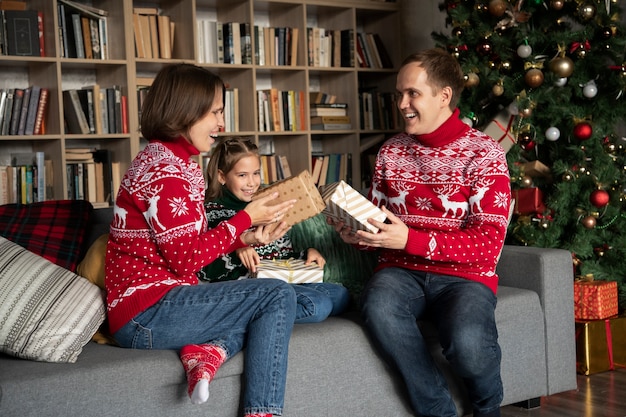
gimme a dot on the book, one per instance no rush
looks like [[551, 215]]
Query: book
[[328, 111], [21, 126], [33, 105], [86, 101], [86, 33], [8, 111], [165, 49], [77, 29], [154, 35], [140, 51], [18, 98], [3, 103], [12, 5], [22, 32], [75, 118], [42, 109]]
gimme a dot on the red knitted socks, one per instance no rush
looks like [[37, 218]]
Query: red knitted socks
[[201, 362]]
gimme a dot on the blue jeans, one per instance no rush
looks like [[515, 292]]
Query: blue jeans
[[317, 301], [257, 313], [462, 311]]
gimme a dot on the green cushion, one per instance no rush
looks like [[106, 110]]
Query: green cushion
[[344, 264]]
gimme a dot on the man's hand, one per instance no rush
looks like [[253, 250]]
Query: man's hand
[[392, 235]]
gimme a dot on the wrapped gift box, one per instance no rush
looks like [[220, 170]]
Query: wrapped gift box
[[536, 169], [301, 187], [528, 201], [345, 204], [595, 300], [500, 130], [293, 271], [600, 345]]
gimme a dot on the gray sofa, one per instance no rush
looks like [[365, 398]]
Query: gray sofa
[[333, 369]]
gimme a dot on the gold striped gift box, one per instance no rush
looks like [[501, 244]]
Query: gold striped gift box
[[290, 270], [345, 204]]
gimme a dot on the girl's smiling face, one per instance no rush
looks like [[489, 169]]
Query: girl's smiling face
[[244, 179]]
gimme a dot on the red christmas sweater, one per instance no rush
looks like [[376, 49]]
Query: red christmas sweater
[[451, 188], [159, 237]]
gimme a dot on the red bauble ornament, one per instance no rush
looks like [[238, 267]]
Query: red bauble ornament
[[583, 131], [599, 198]]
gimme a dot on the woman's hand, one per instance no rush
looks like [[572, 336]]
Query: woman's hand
[[249, 258], [313, 255], [262, 212], [262, 235], [345, 232]]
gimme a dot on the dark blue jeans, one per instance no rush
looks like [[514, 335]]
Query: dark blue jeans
[[462, 311], [256, 313]]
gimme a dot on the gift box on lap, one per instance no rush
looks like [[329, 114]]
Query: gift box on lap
[[528, 201], [500, 130], [345, 204], [293, 271], [595, 300], [302, 188], [600, 345]]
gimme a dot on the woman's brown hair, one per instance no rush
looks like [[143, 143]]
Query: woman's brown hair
[[180, 95], [226, 153]]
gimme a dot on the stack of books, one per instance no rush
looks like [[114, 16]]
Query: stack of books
[[154, 33], [329, 116]]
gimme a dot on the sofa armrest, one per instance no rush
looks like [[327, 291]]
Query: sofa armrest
[[549, 273]]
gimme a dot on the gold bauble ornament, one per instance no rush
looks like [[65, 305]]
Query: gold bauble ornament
[[526, 112], [586, 11], [589, 222], [497, 7], [471, 80], [557, 4], [527, 181], [497, 90], [544, 223], [533, 77], [562, 66]]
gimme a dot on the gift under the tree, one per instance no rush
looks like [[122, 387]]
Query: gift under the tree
[[500, 129], [528, 201], [595, 300], [301, 188], [293, 271], [536, 169], [600, 345], [347, 205]]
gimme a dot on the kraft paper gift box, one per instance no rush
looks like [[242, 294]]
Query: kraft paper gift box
[[345, 204], [500, 130], [293, 271], [595, 300], [536, 169], [600, 345], [302, 188]]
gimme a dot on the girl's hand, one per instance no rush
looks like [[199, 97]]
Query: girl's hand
[[313, 255], [249, 258], [261, 211]]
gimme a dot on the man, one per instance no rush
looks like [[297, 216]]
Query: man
[[445, 189]]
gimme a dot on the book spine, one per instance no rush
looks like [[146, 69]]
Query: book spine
[[33, 105], [23, 115], [42, 109]]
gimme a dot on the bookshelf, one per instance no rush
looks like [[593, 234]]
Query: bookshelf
[[122, 68]]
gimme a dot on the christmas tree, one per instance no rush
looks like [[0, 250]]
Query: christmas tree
[[547, 79]]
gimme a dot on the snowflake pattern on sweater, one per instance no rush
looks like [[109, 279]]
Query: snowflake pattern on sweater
[[159, 237], [454, 194]]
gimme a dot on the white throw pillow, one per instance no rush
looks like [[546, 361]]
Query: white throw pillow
[[47, 313]]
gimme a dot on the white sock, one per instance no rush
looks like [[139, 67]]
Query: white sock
[[200, 392]]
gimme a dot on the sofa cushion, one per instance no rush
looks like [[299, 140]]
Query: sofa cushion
[[47, 312], [53, 229]]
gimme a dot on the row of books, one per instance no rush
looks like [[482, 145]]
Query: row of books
[[95, 110], [371, 52], [379, 111], [232, 43], [280, 110], [23, 110], [274, 168], [154, 33], [330, 48], [83, 30], [330, 168], [27, 180], [21, 32], [92, 176]]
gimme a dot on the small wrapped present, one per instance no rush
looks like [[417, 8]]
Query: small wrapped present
[[301, 187], [345, 204], [595, 300], [528, 201], [293, 271], [600, 345], [500, 129], [536, 169]]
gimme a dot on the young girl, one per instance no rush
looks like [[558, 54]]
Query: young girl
[[159, 239], [234, 175]]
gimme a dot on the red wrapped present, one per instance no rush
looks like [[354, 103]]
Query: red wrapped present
[[595, 300], [528, 201], [599, 345]]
